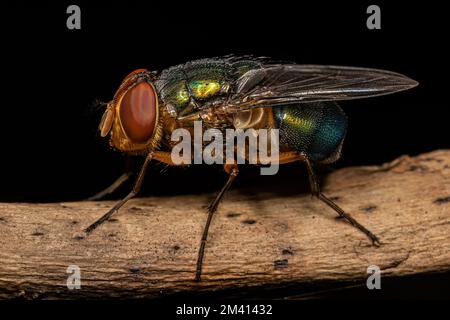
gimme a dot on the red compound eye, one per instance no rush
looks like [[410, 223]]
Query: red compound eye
[[134, 72], [138, 110]]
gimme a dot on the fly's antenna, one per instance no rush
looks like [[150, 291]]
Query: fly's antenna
[[93, 113], [96, 105]]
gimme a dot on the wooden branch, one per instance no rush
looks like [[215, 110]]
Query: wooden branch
[[258, 239]]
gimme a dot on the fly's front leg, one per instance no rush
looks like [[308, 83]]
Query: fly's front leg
[[124, 177], [315, 189], [116, 184], [232, 171], [136, 189]]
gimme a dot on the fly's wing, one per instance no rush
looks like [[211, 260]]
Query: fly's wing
[[275, 85]]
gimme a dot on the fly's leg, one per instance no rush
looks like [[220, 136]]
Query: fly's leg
[[232, 171], [315, 189], [116, 184], [124, 177], [136, 188]]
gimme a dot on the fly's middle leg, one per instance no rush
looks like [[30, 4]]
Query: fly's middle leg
[[232, 171]]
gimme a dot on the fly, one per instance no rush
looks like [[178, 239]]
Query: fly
[[240, 93]]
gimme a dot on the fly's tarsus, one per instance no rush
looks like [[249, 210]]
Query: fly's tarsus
[[315, 190], [350, 219], [117, 206]]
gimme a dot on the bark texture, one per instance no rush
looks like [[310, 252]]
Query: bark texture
[[257, 239]]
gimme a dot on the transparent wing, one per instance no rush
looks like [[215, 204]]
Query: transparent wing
[[275, 85]]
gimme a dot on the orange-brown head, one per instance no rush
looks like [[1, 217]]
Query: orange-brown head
[[132, 117]]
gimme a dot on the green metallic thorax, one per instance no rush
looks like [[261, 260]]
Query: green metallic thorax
[[185, 87]]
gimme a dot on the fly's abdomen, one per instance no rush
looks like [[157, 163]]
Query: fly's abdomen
[[317, 129]]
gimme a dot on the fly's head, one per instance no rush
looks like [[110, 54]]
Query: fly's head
[[132, 118]]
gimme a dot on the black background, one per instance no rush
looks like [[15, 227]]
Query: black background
[[51, 150]]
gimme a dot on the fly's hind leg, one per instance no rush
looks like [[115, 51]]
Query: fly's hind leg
[[232, 171], [315, 189]]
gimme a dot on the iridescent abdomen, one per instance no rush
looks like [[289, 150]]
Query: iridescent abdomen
[[316, 129]]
